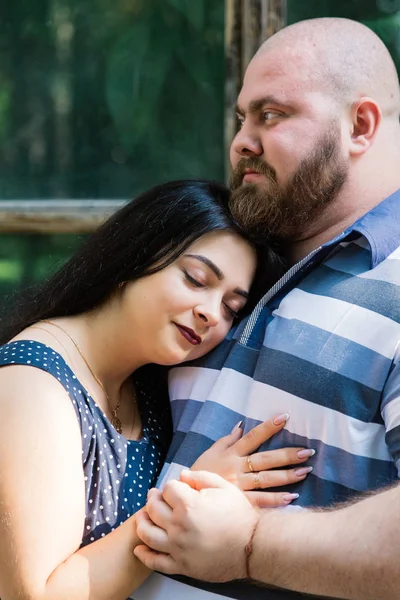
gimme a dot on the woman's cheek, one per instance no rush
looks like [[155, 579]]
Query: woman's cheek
[[217, 337]]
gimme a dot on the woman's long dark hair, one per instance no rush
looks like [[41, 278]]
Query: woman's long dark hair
[[141, 238]]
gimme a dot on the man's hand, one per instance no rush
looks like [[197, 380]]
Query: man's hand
[[198, 527]]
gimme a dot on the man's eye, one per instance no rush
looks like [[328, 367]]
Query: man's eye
[[240, 119], [268, 115]]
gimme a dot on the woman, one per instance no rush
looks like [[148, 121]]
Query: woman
[[81, 438]]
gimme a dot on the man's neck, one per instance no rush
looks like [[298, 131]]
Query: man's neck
[[301, 248], [328, 226]]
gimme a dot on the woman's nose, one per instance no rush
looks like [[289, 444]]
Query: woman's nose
[[208, 314]]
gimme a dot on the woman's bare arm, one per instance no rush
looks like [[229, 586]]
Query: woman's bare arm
[[42, 501]]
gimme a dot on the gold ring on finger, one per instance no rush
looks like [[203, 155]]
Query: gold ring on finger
[[257, 483], [250, 465]]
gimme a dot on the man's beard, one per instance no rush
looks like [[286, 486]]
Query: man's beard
[[285, 212]]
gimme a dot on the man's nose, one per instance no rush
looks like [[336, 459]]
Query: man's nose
[[245, 143]]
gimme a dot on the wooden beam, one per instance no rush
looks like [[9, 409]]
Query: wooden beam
[[248, 23], [55, 216]]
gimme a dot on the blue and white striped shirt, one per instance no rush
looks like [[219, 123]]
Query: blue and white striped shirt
[[323, 346]]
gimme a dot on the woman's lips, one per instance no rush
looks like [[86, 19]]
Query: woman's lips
[[190, 335]]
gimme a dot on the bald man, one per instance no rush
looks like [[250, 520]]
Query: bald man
[[319, 149]]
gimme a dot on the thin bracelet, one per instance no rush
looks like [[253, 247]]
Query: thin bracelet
[[248, 549]]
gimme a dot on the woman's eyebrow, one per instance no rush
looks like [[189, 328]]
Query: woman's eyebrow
[[209, 264], [217, 272]]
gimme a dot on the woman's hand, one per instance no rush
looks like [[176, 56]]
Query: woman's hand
[[232, 458]]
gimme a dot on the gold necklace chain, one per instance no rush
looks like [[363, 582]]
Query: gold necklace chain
[[57, 340], [115, 421]]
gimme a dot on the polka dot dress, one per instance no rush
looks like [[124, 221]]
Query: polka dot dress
[[118, 472]]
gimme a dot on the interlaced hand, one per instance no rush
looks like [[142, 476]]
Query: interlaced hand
[[200, 530]]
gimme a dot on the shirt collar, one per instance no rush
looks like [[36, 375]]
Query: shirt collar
[[380, 226]]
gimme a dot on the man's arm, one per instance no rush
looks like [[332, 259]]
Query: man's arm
[[352, 552]]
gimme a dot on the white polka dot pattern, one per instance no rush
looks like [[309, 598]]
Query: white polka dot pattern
[[118, 472]]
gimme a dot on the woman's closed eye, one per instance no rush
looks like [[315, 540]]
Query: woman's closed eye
[[193, 280], [234, 306], [198, 281], [232, 314]]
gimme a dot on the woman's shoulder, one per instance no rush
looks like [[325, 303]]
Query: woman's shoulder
[[28, 376], [31, 399], [19, 377], [28, 352], [34, 356]]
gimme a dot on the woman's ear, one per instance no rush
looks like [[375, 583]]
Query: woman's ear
[[366, 118]]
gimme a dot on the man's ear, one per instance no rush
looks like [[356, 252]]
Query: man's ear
[[366, 117]]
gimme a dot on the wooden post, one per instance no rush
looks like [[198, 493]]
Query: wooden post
[[248, 23]]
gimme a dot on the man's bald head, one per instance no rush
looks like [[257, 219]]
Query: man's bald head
[[342, 55]]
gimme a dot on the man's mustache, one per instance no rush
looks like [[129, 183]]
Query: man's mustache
[[255, 164]]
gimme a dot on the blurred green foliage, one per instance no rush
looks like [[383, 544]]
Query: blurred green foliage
[[103, 99], [26, 259]]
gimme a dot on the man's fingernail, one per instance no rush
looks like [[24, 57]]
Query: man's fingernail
[[289, 497], [150, 492], [303, 471], [237, 426], [281, 419], [306, 453]]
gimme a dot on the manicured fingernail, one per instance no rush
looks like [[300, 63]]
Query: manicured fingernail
[[237, 426], [306, 453], [150, 493], [303, 471], [281, 419], [289, 497]]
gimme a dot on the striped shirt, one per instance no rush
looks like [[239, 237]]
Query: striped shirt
[[323, 346]]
